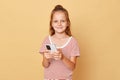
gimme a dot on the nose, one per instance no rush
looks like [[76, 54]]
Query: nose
[[59, 23]]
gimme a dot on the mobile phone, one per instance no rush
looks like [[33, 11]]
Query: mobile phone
[[51, 47]]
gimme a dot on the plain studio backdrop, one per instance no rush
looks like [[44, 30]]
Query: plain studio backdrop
[[25, 23]]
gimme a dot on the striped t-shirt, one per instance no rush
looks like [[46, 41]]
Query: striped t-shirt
[[57, 69]]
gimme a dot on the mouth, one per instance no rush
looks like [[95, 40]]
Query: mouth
[[59, 27]]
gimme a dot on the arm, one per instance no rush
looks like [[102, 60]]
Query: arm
[[46, 59], [45, 62], [70, 63]]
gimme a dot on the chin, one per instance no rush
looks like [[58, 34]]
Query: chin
[[60, 32]]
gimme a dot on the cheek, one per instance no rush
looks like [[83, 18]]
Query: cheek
[[65, 24], [54, 24]]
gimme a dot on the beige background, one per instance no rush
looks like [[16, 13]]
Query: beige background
[[95, 24]]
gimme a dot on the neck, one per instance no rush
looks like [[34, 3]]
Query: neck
[[60, 36]]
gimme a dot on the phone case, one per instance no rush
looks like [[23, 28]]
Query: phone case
[[51, 47]]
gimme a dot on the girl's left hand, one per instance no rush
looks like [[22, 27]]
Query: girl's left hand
[[58, 55]]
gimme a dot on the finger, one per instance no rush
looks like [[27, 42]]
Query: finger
[[57, 56], [48, 56], [59, 49], [46, 51]]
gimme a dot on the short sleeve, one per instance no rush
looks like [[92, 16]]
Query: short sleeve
[[75, 51], [43, 48]]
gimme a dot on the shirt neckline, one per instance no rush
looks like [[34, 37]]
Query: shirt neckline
[[62, 45]]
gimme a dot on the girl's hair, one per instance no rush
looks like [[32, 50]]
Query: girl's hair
[[60, 8]]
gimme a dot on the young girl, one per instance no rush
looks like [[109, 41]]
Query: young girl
[[59, 65]]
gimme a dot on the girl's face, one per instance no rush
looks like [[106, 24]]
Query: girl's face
[[59, 22]]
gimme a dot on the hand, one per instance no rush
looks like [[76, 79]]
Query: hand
[[47, 54], [58, 55]]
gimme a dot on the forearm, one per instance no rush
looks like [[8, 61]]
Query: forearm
[[45, 62], [68, 63]]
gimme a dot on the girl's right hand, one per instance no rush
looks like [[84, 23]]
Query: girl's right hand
[[47, 54]]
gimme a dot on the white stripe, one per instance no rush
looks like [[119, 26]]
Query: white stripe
[[64, 44]]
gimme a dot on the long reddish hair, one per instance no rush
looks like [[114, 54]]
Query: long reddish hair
[[60, 8]]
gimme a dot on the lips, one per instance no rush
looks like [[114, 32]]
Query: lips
[[59, 27]]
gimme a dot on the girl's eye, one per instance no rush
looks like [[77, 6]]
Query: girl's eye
[[55, 21], [63, 21]]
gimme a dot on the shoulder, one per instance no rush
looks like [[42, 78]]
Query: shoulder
[[46, 37], [74, 40]]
